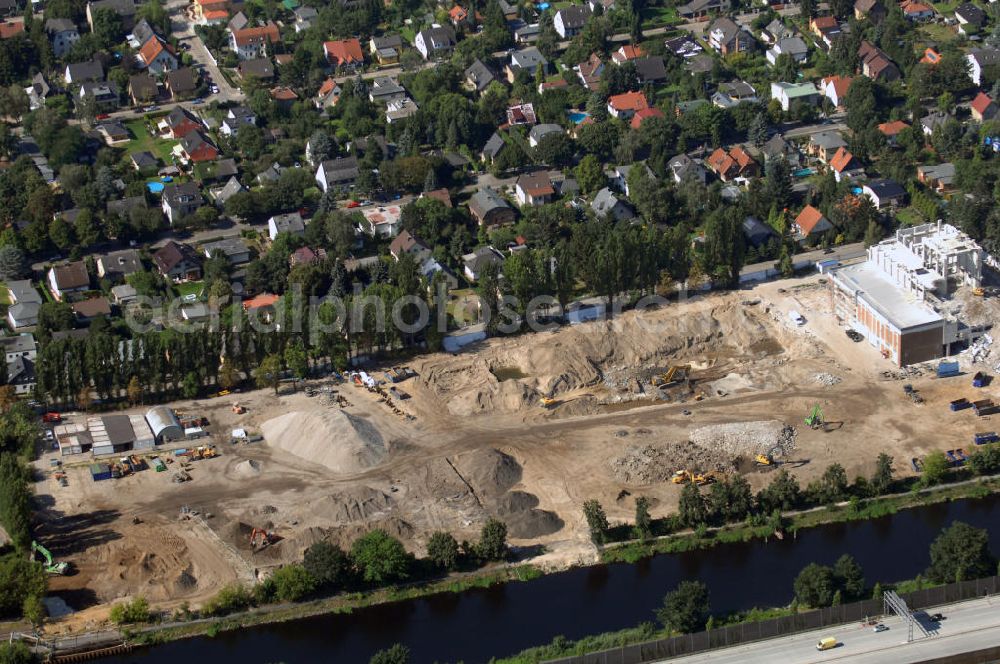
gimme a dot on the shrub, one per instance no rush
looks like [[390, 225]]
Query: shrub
[[133, 611], [230, 598]]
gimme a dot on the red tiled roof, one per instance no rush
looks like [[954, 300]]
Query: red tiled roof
[[913, 7], [262, 300], [841, 160], [825, 23], [458, 13], [329, 85], [267, 32], [807, 219], [629, 101], [642, 115], [11, 28], [151, 49], [283, 93], [892, 128], [931, 57], [344, 51], [841, 84], [214, 14], [981, 103], [627, 52]]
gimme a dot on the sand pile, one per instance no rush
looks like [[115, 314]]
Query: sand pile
[[489, 473], [247, 469], [343, 443], [745, 438], [352, 506]]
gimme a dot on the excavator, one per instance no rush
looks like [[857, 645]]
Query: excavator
[[671, 375], [684, 476], [259, 536], [51, 566], [547, 401], [815, 419]]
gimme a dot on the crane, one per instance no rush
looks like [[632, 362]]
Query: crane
[[51, 566], [815, 419]]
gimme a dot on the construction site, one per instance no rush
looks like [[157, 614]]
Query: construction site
[[524, 429]]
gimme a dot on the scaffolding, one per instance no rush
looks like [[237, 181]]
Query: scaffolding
[[893, 603]]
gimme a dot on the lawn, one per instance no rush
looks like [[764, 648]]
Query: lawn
[[189, 288], [4, 294], [938, 33], [408, 34], [910, 216], [655, 17], [144, 141]]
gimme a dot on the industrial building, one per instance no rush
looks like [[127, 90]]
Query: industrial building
[[116, 434], [898, 297], [164, 424]]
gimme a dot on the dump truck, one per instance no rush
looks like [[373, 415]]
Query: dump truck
[[980, 379], [985, 438], [960, 404]]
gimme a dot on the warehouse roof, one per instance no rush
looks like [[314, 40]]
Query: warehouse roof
[[903, 310]]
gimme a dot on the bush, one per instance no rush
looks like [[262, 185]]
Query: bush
[[493, 540], [292, 583], [380, 558], [20, 579], [442, 550], [685, 609], [134, 611], [328, 564], [230, 598], [397, 654], [15, 653], [814, 586]]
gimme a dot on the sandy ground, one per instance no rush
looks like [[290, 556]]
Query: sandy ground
[[468, 445]]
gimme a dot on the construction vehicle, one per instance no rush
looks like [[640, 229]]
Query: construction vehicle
[[51, 566], [702, 480], [764, 460], [223, 393], [978, 292], [260, 538], [208, 452], [815, 419], [674, 374], [238, 409], [547, 401], [681, 477], [985, 438]]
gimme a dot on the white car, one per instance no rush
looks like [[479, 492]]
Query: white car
[[880, 628]]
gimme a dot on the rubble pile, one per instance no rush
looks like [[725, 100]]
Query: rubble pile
[[826, 379], [650, 464], [738, 439]]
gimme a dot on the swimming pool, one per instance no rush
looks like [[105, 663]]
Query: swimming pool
[[542, 6], [577, 116], [154, 187], [804, 172]]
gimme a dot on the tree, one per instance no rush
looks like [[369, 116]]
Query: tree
[[380, 558], [985, 460], [33, 610], [782, 493], [831, 487], [442, 549], [86, 229], [328, 564], [15, 652], [686, 608], [292, 583], [493, 540], [849, 576], [229, 376], [590, 174], [643, 521], [297, 360], [882, 478], [597, 521], [397, 654], [691, 508], [936, 466], [961, 553], [321, 147], [11, 262], [757, 131], [814, 586], [19, 580], [554, 149], [191, 385], [133, 611], [268, 373]]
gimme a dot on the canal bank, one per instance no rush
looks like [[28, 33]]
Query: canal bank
[[482, 623]]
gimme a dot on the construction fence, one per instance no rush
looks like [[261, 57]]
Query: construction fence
[[732, 635]]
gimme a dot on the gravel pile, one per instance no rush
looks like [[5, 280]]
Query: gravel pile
[[651, 464], [745, 438], [826, 379]]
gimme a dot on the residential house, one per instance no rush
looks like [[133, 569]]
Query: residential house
[[304, 17], [19, 345], [621, 174], [142, 88], [970, 18], [835, 89], [606, 205], [683, 167], [66, 279], [227, 191], [338, 174], [290, 222], [239, 21], [521, 114], [733, 164], [255, 42], [124, 295], [386, 49], [930, 122], [734, 93], [478, 76], [123, 208], [983, 108], [757, 233], [103, 94], [260, 69], [411, 245], [113, 131], [441, 195], [793, 95], [891, 130], [22, 312], [939, 177], [873, 10], [23, 315], [492, 148], [627, 53], [728, 37], [683, 47], [845, 166], [534, 189], [530, 60], [144, 161], [37, 92], [916, 11], [21, 375], [385, 89], [527, 34], [590, 72], [569, 21], [284, 96], [90, 309], [236, 118], [791, 46], [11, 27], [435, 42], [181, 200], [211, 11], [344, 53], [699, 8], [979, 59], [182, 83], [822, 26], [642, 115], [234, 249], [825, 144], [140, 34], [875, 64], [810, 223], [650, 70], [884, 194], [475, 264], [22, 291], [328, 94], [400, 109], [625, 105], [196, 148], [459, 16], [157, 56], [80, 72], [177, 262], [775, 30], [180, 122], [306, 256], [62, 34], [777, 147], [383, 221], [491, 210], [118, 265], [540, 131]]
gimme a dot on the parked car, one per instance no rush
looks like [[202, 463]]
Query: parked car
[[880, 628], [854, 335]]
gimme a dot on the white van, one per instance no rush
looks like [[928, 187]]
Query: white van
[[796, 317]]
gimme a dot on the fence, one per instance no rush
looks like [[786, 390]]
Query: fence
[[731, 635]]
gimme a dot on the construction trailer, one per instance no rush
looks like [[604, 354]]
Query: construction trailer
[[100, 472]]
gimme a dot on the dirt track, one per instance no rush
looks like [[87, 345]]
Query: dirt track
[[480, 446]]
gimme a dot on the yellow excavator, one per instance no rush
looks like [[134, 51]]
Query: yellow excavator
[[684, 476], [547, 401], [764, 460], [673, 374]]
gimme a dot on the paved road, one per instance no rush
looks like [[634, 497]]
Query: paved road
[[809, 130], [967, 627]]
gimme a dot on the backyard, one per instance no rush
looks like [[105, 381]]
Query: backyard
[[144, 141]]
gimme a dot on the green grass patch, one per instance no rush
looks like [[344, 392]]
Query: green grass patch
[[936, 32], [910, 216], [4, 294], [189, 288], [655, 17], [408, 34], [144, 141]]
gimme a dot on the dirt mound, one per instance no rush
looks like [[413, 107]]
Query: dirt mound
[[488, 472], [343, 443], [352, 506], [651, 464], [524, 521], [247, 469], [745, 438]]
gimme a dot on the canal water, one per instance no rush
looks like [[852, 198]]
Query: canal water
[[479, 624]]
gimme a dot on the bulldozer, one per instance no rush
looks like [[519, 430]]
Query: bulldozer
[[208, 452], [547, 401], [815, 419], [764, 460]]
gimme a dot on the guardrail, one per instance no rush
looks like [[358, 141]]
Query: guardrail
[[731, 635]]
